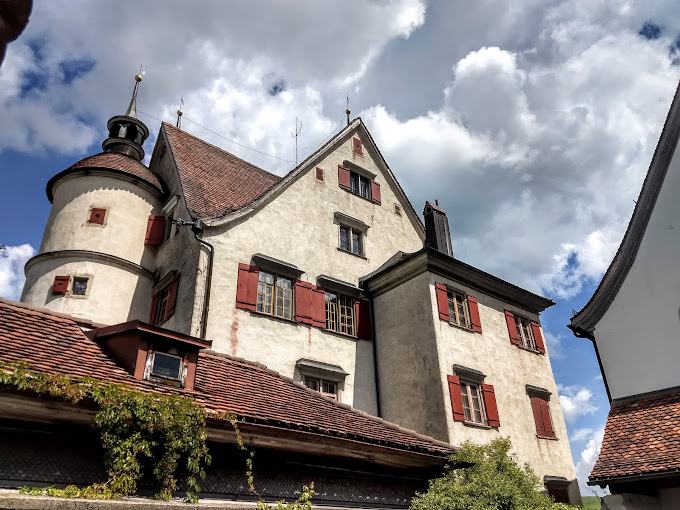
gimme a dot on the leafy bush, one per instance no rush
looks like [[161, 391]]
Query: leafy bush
[[494, 482]]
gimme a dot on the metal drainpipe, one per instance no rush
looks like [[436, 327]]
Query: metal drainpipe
[[375, 359], [206, 298]]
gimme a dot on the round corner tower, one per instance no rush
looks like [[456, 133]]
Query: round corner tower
[[93, 261]]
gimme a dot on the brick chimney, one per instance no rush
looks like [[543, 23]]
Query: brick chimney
[[437, 234]]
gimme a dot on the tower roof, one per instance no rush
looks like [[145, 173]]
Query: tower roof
[[113, 162]]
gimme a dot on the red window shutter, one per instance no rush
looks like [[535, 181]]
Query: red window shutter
[[303, 302], [155, 230], [97, 216], [318, 307], [538, 416], [362, 311], [319, 174], [490, 405], [246, 287], [512, 328], [375, 192], [474, 314], [358, 147], [442, 302], [60, 285], [536, 329], [547, 424], [343, 177], [456, 398], [154, 305], [172, 296]]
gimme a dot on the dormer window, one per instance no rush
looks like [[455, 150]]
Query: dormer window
[[164, 366]]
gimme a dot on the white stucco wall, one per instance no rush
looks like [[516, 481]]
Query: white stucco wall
[[298, 227], [117, 292], [637, 338], [417, 351]]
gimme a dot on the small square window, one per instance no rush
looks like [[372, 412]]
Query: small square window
[[397, 209], [165, 367], [97, 216], [473, 403], [80, 286]]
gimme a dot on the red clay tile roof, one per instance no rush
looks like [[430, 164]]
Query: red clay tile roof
[[55, 344], [641, 437], [115, 161], [214, 181]]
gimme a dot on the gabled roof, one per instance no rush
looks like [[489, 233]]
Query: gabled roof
[[114, 162], [641, 438], [214, 181], [585, 321], [261, 397], [219, 186]]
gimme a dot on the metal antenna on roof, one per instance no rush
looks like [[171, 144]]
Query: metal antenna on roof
[[347, 110], [297, 132], [179, 113]]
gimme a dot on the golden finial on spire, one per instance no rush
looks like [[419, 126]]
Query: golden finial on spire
[[179, 113], [347, 112], [132, 109]]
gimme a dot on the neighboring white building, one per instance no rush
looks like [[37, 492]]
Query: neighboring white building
[[633, 321], [326, 275]]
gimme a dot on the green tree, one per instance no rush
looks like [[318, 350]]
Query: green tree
[[494, 482]]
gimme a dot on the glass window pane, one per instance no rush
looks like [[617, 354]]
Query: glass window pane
[[166, 366], [79, 286], [356, 243], [353, 182], [364, 187], [344, 239], [312, 384]]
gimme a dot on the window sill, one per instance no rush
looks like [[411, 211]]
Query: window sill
[[529, 350], [457, 326], [553, 438], [353, 254], [359, 196], [274, 317], [476, 425]]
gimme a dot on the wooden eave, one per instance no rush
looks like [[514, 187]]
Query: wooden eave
[[433, 261], [137, 325]]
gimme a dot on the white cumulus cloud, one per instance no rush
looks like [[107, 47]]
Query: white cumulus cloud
[[585, 464], [12, 260], [576, 401]]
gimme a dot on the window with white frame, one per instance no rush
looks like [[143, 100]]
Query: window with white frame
[[360, 185], [328, 388], [275, 295], [165, 367], [351, 240], [473, 402], [524, 333]]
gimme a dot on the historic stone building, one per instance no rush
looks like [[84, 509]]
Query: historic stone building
[[326, 275]]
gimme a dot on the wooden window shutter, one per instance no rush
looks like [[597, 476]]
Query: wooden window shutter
[[512, 328], [172, 296], [319, 174], [375, 192], [246, 287], [538, 416], [490, 405], [97, 216], [303, 302], [155, 230], [318, 307], [154, 305], [536, 329], [473, 308], [358, 146], [442, 302], [545, 414], [343, 177], [456, 398], [362, 311], [60, 285]]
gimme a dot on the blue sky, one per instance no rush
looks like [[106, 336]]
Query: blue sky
[[533, 125]]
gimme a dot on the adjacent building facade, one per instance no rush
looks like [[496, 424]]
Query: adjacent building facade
[[632, 320], [326, 275]]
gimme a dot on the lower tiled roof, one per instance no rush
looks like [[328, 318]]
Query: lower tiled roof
[[56, 345], [641, 437]]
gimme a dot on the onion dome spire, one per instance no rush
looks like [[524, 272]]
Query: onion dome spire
[[126, 132]]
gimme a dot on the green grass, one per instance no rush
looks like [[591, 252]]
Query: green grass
[[591, 502]]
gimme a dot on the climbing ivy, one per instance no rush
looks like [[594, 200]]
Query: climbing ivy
[[136, 429]]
